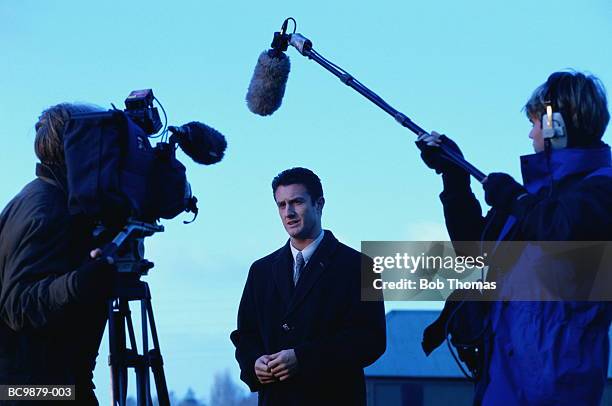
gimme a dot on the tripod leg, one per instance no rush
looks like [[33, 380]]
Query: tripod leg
[[157, 363], [136, 362], [131, 335], [117, 352], [143, 390]]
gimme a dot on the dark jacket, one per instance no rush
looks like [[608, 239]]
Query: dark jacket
[[545, 353], [334, 334], [46, 336]]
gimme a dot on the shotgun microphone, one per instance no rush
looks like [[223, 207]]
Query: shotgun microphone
[[267, 87]]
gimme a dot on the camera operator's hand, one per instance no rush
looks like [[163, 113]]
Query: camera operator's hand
[[94, 278], [502, 191], [431, 153]]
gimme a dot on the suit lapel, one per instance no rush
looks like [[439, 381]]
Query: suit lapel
[[283, 277], [314, 269]]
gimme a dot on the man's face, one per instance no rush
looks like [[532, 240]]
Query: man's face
[[300, 215], [536, 134]]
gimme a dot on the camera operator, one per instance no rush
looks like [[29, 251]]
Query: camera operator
[[53, 281], [536, 353]]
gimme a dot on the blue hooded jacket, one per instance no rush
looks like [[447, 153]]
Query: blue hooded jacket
[[545, 353]]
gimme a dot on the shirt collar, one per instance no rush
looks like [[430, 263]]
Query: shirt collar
[[309, 250]]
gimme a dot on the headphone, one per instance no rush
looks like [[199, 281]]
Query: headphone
[[554, 131]]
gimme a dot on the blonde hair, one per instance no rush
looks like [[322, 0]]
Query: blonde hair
[[49, 141]]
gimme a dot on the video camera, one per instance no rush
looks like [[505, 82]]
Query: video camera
[[119, 180], [114, 173]]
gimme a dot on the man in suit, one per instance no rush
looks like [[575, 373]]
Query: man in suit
[[304, 335]]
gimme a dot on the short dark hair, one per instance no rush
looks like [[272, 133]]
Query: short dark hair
[[49, 141], [581, 100], [301, 176]]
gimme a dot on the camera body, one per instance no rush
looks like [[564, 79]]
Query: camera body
[[114, 173]]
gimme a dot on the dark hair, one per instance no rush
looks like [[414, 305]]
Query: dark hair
[[49, 141], [581, 100], [300, 176]]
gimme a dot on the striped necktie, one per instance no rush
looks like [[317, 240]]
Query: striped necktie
[[297, 269]]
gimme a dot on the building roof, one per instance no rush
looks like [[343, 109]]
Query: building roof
[[405, 357]]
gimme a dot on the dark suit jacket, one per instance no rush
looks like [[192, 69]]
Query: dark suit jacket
[[334, 334]]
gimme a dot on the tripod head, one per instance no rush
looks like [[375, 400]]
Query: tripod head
[[127, 247]]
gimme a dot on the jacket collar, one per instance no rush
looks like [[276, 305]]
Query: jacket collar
[[53, 174], [537, 170], [311, 274]]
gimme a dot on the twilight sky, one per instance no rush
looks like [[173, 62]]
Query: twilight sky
[[462, 68]]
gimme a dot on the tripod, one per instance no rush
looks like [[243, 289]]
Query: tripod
[[127, 249]]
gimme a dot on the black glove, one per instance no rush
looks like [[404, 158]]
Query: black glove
[[432, 156], [453, 176], [501, 191], [93, 280]]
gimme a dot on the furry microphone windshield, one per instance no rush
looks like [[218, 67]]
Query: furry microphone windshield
[[202, 143], [267, 86]]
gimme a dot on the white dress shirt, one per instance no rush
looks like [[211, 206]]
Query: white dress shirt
[[306, 252]]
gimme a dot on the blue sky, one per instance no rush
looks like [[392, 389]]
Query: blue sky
[[462, 68]]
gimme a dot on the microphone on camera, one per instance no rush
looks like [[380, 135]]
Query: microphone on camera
[[202, 143], [267, 86]]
